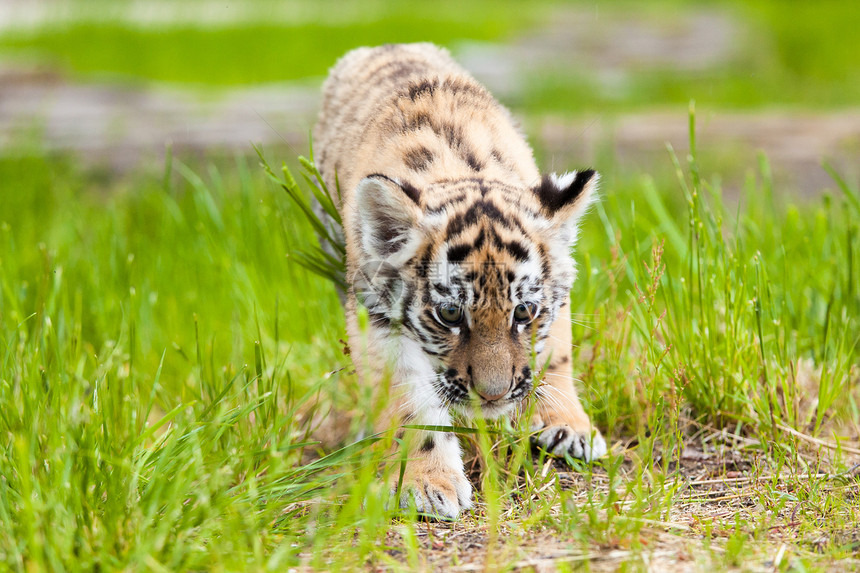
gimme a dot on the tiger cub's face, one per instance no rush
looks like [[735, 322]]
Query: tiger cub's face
[[472, 273]]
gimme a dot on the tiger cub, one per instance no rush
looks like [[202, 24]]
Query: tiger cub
[[459, 250]]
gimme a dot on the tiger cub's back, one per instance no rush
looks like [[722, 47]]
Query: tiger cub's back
[[408, 111]]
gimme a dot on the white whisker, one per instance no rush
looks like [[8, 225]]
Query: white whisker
[[561, 395], [550, 399], [564, 376]]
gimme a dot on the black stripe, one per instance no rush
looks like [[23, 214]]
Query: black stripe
[[517, 250], [407, 187], [472, 162], [371, 80], [453, 134], [379, 319], [459, 86], [482, 207], [412, 192], [422, 267], [479, 240], [411, 327], [416, 121], [393, 71], [428, 316], [457, 253], [456, 225], [408, 297], [544, 260], [417, 89], [418, 159]]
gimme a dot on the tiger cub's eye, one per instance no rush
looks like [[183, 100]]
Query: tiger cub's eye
[[525, 312], [450, 314]]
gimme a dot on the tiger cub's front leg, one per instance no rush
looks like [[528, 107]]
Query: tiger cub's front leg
[[434, 479], [563, 426]]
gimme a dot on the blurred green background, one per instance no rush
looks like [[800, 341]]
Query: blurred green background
[[600, 83], [618, 55]]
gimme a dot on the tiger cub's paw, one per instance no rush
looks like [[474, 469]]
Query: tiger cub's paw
[[437, 491], [562, 439]]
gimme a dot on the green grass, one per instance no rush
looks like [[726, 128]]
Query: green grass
[[161, 355]]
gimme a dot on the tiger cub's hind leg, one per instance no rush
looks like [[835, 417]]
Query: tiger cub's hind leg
[[561, 424]]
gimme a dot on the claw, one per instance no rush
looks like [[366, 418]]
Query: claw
[[562, 439], [438, 495]]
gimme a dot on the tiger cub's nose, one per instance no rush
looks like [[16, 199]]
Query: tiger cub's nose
[[490, 392]]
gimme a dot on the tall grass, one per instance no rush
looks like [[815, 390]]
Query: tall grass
[[164, 366], [723, 304]]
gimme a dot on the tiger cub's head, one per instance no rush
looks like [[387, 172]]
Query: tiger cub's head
[[473, 272]]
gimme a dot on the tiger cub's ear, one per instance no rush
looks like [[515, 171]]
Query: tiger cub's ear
[[565, 198], [388, 217]]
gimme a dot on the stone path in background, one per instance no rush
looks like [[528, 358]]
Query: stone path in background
[[125, 126]]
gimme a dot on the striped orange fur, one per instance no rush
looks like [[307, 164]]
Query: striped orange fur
[[460, 251]]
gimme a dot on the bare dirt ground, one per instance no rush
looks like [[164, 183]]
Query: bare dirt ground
[[720, 490], [717, 486]]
